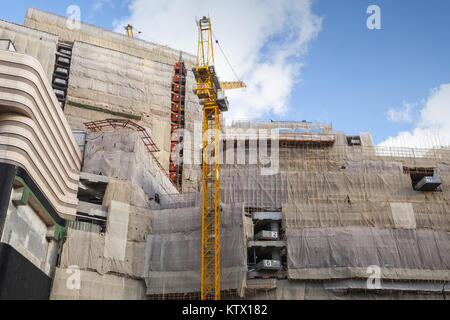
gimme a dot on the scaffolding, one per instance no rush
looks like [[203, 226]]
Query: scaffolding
[[150, 145]]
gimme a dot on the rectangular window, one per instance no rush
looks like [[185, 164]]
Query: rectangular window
[[354, 141], [423, 179]]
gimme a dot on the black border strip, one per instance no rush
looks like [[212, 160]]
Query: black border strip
[[19, 278], [7, 174], [22, 173]]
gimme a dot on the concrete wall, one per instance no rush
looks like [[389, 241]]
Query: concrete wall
[[117, 73], [38, 44]]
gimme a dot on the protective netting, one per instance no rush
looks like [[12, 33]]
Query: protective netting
[[316, 214], [346, 185], [347, 252], [131, 84], [55, 24], [94, 286], [253, 189], [339, 217], [344, 207], [443, 168], [86, 250], [376, 166], [173, 251], [347, 290], [121, 154], [182, 200], [322, 158], [336, 214]]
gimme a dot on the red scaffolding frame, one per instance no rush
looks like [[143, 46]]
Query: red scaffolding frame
[[96, 126]]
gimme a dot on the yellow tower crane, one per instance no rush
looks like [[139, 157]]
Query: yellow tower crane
[[130, 30], [209, 90]]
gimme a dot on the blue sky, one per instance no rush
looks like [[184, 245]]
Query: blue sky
[[350, 76], [354, 75]]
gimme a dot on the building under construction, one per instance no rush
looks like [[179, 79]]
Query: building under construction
[[100, 178]]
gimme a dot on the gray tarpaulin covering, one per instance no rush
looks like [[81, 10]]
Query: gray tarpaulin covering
[[121, 154], [86, 250], [374, 166], [182, 200], [366, 214], [173, 251], [252, 188], [95, 286], [361, 284], [328, 253], [348, 290], [305, 186], [336, 214], [442, 168]]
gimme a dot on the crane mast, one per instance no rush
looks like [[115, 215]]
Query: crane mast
[[209, 92]]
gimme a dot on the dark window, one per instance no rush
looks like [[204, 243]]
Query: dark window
[[418, 174], [354, 141]]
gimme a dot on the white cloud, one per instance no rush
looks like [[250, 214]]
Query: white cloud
[[403, 115], [433, 127], [263, 39], [98, 4]]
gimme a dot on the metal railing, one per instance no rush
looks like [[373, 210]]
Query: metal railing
[[84, 226], [394, 152]]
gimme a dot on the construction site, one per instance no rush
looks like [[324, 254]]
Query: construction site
[[119, 180]]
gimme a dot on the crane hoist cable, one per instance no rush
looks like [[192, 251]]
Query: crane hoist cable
[[226, 58]]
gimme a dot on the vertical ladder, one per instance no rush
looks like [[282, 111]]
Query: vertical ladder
[[60, 81], [211, 205]]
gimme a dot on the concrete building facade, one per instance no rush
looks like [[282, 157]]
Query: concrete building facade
[[87, 200], [40, 163]]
